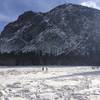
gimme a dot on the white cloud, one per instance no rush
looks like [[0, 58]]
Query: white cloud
[[91, 4]]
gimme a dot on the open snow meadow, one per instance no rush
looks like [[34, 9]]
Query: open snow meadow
[[55, 83]]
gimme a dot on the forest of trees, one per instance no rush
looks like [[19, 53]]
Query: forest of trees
[[34, 58]]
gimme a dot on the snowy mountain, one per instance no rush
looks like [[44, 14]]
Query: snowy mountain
[[68, 33]]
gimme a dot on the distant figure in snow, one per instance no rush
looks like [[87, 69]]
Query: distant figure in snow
[[44, 69]]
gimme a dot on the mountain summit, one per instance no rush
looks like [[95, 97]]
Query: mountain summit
[[67, 35]]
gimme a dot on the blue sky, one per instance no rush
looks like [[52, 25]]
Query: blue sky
[[11, 9]]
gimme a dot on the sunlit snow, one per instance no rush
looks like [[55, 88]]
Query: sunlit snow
[[56, 83]]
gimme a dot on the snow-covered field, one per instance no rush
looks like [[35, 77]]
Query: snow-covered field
[[66, 83]]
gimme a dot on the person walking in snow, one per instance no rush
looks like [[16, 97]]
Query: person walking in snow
[[42, 69]]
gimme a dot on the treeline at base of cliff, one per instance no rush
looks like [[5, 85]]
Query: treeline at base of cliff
[[26, 59]]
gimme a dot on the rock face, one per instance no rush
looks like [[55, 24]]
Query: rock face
[[67, 35]]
